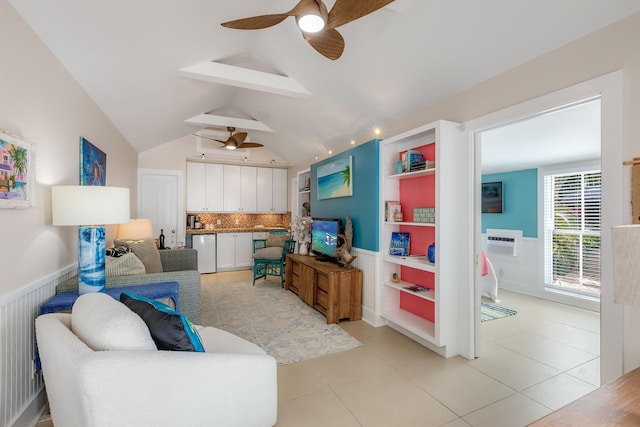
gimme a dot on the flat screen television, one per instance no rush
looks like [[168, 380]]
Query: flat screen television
[[324, 237], [492, 197]]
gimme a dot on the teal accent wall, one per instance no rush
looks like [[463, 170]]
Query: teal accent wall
[[363, 206], [520, 202]]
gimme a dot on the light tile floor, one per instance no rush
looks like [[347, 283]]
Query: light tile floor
[[531, 364]]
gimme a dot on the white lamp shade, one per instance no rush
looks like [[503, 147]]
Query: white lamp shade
[[626, 264], [89, 205], [135, 229]]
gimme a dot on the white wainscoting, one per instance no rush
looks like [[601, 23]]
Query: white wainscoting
[[367, 261], [524, 273], [21, 388]]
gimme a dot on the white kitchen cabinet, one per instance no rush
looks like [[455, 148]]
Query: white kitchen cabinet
[[204, 187], [239, 189], [272, 191], [280, 190], [234, 251]]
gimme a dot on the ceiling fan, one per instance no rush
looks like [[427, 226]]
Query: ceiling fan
[[317, 25], [235, 140]]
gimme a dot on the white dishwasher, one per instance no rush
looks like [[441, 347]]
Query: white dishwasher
[[205, 244]]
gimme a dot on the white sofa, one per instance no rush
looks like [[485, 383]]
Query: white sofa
[[101, 368]]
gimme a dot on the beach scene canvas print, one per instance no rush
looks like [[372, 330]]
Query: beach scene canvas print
[[15, 172], [335, 179]]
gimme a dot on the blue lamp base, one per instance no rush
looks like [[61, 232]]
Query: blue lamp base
[[91, 259]]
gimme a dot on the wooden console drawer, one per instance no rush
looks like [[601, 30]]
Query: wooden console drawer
[[295, 266], [323, 282], [322, 299]]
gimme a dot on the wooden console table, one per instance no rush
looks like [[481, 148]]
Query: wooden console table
[[614, 404], [334, 291]]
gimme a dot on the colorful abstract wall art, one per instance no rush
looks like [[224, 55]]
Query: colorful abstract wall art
[[16, 172]]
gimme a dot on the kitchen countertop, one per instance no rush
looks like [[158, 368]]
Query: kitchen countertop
[[232, 230]]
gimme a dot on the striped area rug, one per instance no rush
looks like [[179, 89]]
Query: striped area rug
[[492, 312]]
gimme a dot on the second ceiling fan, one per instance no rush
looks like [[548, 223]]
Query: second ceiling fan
[[317, 25], [235, 140]]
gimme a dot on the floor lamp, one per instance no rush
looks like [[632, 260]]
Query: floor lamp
[[90, 208], [626, 264]]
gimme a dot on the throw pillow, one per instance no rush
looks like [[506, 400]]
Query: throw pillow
[[169, 329], [277, 239], [272, 252], [118, 251], [147, 251], [125, 265], [104, 324]]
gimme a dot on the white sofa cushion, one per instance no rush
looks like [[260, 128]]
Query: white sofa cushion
[[216, 340], [103, 323]]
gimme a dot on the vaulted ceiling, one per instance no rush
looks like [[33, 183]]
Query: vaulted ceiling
[[161, 70]]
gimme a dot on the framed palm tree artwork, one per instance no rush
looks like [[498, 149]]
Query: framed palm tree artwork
[[335, 179], [17, 174]]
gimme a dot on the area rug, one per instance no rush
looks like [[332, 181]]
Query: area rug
[[273, 318], [492, 312]]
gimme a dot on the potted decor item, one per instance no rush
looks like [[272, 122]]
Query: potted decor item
[[301, 230]]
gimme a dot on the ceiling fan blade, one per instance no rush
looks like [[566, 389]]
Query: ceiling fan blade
[[328, 42], [210, 139], [250, 145], [345, 11], [239, 137], [256, 22]]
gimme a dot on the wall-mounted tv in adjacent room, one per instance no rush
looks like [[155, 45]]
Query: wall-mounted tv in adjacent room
[[324, 237], [492, 197]]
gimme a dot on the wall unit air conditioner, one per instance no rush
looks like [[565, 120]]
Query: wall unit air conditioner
[[503, 242]]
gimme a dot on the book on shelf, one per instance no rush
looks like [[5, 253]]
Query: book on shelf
[[418, 166], [417, 288], [399, 243], [391, 207], [414, 157], [409, 157]]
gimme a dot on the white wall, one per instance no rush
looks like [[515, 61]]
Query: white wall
[[524, 273], [42, 103]]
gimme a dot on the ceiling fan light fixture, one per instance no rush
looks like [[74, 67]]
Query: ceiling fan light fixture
[[230, 147], [311, 22]]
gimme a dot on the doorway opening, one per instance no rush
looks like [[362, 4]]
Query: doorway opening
[[548, 167], [608, 90]]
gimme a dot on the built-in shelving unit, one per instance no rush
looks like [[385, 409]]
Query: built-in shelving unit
[[428, 316], [304, 193]]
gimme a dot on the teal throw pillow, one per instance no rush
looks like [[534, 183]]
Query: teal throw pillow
[[169, 329]]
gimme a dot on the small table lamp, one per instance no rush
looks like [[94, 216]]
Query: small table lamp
[[136, 229], [626, 264], [90, 208]]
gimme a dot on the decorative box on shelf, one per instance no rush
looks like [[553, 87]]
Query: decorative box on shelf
[[427, 215]]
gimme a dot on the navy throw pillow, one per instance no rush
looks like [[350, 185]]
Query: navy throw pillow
[[169, 329]]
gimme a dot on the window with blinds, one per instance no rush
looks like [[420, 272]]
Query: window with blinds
[[572, 207]]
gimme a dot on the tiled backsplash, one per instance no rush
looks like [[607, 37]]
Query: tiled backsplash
[[245, 220]]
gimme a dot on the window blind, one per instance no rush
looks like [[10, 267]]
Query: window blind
[[572, 210]]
